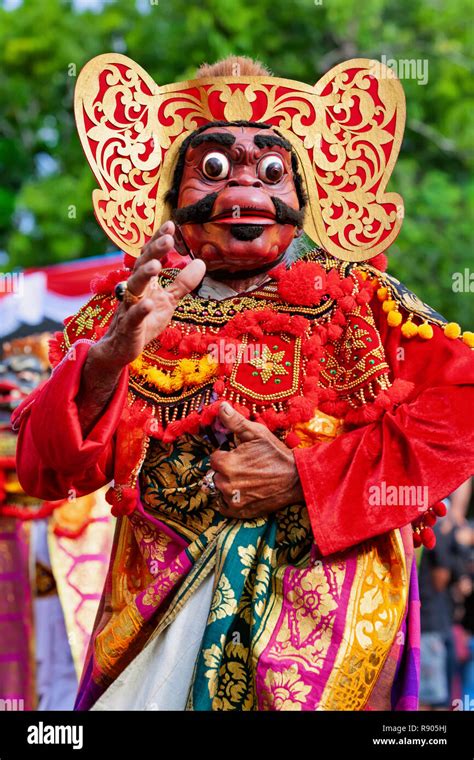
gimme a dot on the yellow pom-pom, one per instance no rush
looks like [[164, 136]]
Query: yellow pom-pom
[[409, 330], [425, 331], [382, 294], [394, 318], [452, 330], [388, 305], [468, 338]]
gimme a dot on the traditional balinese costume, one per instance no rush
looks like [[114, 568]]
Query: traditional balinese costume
[[315, 606]]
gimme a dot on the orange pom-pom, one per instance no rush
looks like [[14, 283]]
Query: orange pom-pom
[[452, 330], [382, 293], [389, 305], [394, 318], [425, 331], [468, 339], [409, 330]]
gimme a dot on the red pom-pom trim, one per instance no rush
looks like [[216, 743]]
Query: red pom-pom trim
[[106, 283], [429, 519], [440, 508], [380, 262], [55, 353], [292, 440], [428, 538], [122, 499]]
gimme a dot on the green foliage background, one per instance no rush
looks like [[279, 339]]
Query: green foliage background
[[43, 170]]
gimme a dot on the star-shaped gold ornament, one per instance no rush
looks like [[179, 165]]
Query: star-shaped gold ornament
[[269, 364]]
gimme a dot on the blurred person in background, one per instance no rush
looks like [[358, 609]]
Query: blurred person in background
[[466, 615], [53, 560], [444, 585], [23, 367]]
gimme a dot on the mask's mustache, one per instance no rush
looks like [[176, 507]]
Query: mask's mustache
[[196, 213], [286, 215], [201, 212]]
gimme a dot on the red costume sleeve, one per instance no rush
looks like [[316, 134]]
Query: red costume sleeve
[[427, 441], [52, 455]]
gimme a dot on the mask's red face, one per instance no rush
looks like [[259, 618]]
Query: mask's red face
[[238, 209]]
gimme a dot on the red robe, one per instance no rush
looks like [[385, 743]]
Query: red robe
[[427, 441], [421, 436]]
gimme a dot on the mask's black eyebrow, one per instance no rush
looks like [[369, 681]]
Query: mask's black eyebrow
[[268, 141], [222, 138]]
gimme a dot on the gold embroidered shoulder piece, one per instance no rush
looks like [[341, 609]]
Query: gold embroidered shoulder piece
[[405, 297], [404, 309], [90, 323]]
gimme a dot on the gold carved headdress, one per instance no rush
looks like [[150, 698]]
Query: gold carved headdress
[[346, 131]]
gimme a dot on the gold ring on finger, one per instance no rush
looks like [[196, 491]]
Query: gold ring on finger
[[124, 294]]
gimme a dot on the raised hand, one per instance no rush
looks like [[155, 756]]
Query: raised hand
[[135, 326]]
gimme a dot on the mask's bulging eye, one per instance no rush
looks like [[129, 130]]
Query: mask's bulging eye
[[215, 165], [271, 169]]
